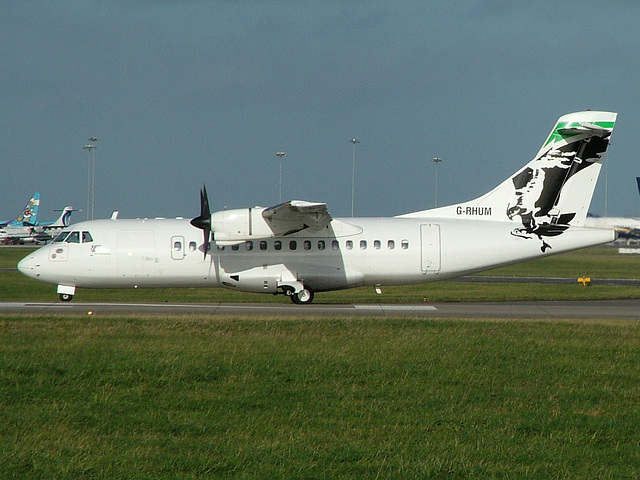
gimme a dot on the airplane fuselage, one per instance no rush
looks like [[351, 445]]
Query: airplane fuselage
[[346, 253]]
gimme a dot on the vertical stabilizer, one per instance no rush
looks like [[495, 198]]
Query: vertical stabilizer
[[556, 186], [551, 192], [29, 214], [64, 218]]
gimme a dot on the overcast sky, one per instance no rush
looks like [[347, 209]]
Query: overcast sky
[[185, 93]]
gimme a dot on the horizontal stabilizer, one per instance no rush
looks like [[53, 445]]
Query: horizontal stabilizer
[[578, 127]]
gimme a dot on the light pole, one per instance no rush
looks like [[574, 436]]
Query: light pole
[[280, 155], [91, 177], [436, 160], [353, 141]]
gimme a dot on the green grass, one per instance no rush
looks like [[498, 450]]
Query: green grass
[[603, 262], [188, 397], [218, 397]]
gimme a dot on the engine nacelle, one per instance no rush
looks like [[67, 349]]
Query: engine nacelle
[[235, 226]]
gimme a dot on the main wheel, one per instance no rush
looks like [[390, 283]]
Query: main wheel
[[66, 297], [303, 297]]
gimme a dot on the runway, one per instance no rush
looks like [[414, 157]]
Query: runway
[[607, 309]]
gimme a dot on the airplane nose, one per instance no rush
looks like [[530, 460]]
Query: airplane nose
[[29, 266]]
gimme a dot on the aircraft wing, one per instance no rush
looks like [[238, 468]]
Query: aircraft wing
[[296, 215]]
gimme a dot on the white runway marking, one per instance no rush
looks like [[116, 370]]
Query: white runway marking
[[400, 308]]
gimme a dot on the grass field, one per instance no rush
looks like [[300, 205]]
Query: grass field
[[187, 397], [168, 398]]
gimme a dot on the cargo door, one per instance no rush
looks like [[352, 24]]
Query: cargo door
[[430, 248], [136, 254]]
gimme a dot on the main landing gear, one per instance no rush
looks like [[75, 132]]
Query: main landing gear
[[303, 297]]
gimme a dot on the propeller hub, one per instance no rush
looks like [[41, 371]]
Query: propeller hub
[[201, 222]]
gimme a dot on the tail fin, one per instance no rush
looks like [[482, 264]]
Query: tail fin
[[29, 214], [63, 220], [554, 190]]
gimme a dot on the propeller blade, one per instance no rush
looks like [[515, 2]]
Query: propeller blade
[[203, 222]]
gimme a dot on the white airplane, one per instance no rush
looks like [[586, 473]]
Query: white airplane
[[61, 222], [36, 232], [627, 227], [297, 248]]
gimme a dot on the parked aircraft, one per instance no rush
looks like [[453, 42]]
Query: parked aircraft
[[34, 231], [61, 222], [29, 213], [627, 227], [297, 248]]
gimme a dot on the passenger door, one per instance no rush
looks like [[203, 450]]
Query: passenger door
[[177, 247]]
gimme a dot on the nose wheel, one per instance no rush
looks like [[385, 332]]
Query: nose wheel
[[66, 297], [303, 297]]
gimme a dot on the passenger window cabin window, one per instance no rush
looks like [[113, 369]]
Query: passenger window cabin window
[[363, 244], [248, 245], [293, 245], [277, 245], [376, 244], [335, 244], [391, 244], [349, 245], [177, 246], [74, 237], [192, 246], [263, 245], [405, 244], [320, 244], [307, 244]]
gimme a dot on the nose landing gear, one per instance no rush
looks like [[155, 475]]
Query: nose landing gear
[[66, 292]]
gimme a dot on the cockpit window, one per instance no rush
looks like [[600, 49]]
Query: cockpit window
[[86, 237], [60, 237], [74, 237]]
